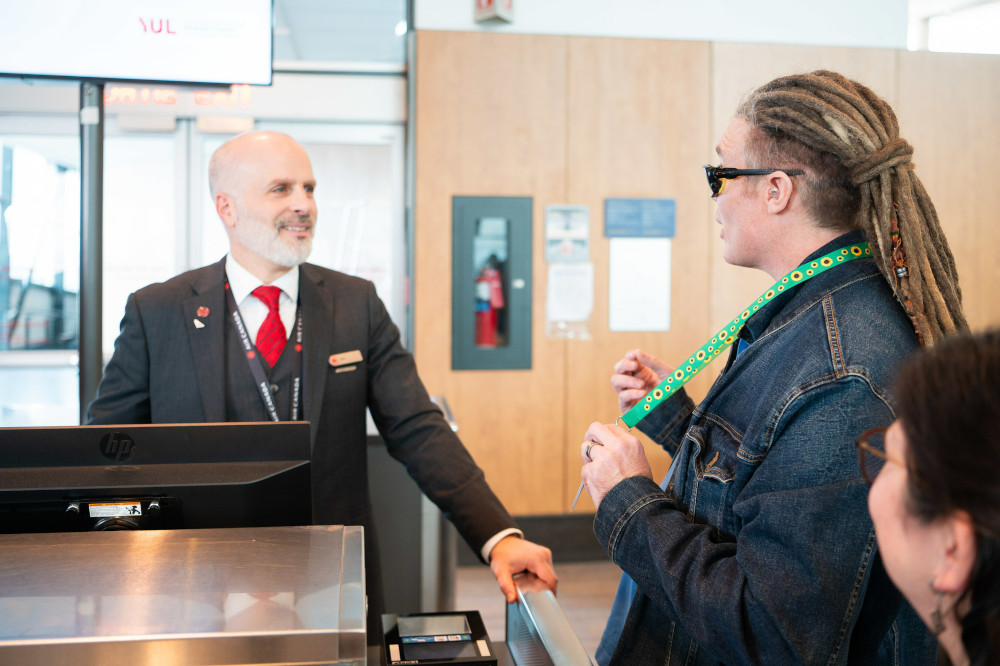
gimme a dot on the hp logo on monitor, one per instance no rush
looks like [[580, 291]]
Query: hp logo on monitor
[[117, 446]]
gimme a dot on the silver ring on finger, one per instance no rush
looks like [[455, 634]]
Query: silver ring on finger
[[589, 447]]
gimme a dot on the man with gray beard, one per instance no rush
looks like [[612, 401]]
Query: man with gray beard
[[184, 355]]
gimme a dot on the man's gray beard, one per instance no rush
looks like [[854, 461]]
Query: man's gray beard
[[266, 242]]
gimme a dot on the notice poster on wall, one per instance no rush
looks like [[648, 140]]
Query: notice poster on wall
[[174, 41], [567, 233], [640, 233], [639, 284]]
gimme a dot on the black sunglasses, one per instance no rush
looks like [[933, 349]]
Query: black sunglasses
[[717, 176]]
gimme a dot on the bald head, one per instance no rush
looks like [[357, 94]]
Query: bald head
[[227, 170]]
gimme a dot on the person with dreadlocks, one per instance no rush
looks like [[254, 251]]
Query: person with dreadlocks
[[757, 548]]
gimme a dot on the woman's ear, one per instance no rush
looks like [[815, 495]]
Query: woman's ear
[[958, 536]]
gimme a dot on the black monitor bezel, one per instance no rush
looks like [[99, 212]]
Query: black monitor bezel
[[193, 475]]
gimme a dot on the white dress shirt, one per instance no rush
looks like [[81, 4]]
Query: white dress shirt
[[252, 309]]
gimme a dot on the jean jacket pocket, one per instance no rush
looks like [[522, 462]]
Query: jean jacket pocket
[[713, 466]]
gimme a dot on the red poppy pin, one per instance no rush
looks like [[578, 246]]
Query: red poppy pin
[[202, 311]]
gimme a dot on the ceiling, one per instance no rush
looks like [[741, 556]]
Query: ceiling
[[330, 32], [922, 9], [338, 31]]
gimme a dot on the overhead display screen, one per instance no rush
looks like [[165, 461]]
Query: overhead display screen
[[174, 41]]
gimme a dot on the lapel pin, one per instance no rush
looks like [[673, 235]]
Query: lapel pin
[[198, 324], [202, 311]]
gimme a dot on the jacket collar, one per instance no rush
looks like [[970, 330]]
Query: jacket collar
[[204, 313], [317, 318], [790, 304]]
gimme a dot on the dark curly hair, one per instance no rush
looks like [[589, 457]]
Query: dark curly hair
[[948, 402]]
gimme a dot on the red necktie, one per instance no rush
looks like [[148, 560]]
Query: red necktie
[[271, 336]]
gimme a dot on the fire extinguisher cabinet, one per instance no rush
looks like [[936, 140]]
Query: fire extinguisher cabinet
[[491, 283]]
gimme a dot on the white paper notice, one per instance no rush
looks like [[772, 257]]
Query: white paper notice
[[639, 284], [570, 294]]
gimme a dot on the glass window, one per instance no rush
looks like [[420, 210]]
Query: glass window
[[141, 227], [39, 243], [39, 279], [971, 30]]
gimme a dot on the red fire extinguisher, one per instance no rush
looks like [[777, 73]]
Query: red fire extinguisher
[[486, 315]]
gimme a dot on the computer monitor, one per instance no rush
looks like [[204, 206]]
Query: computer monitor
[[180, 41], [67, 479]]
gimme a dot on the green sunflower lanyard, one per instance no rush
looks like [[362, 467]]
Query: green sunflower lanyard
[[719, 343], [727, 336]]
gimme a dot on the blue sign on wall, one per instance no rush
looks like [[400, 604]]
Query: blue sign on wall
[[639, 218]]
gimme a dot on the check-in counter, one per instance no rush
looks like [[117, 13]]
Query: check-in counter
[[266, 595], [213, 596]]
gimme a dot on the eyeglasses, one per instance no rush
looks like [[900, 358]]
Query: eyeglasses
[[719, 176], [871, 453]]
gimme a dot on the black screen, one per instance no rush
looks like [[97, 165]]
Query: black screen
[[154, 476]]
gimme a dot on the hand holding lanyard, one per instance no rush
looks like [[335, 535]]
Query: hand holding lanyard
[[727, 336]]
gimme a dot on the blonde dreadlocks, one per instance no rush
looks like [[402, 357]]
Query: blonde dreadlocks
[[859, 174]]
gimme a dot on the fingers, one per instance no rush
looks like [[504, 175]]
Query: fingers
[[586, 451], [624, 382], [656, 365], [604, 434], [504, 563], [514, 555], [539, 562], [627, 399], [546, 573], [506, 582], [638, 371], [630, 363], [625, 366], [602, 440], [630, 389], [595, 433]]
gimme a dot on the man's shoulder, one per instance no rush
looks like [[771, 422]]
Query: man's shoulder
[[183, 284], [206, 277], [327, 277]]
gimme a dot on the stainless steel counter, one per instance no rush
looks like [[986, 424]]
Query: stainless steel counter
[[216, 596], [538, 631]]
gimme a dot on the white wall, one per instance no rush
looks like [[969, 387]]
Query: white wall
[[857, 23], [291, 96]]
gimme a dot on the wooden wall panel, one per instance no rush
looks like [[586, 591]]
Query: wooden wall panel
[[576, 120], [637, 127], [948, 110], [490, 120], [737, 70]]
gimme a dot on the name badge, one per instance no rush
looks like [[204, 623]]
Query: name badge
[[344, 358]]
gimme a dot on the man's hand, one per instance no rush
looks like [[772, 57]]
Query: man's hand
[[512, 555], [614, 455], [637, 374]]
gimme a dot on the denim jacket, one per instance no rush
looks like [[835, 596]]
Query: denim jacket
[[761, 550]]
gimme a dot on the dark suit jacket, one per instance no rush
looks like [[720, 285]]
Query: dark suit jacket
[[167, 370]]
